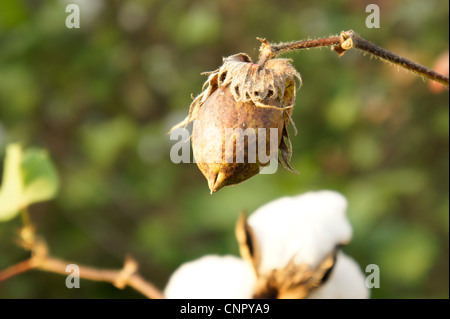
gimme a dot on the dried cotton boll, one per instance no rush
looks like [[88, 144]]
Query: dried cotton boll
[[240, 119], [222, 111], [293, 242], [212, 277]]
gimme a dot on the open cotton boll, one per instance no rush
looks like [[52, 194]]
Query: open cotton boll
[[304, 228], [346, 281], [212, 277]]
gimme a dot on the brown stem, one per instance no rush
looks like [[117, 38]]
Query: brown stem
[[344, 42], [119, 278], [41, 260], [16, 269], [384, 54], [305, 44]]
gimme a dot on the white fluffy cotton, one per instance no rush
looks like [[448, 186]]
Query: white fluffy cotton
[[347, 281], [212, 277], [306, 227]]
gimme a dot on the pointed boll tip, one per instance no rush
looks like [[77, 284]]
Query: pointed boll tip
[[217, 181]]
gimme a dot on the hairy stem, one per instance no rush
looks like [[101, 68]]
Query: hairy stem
[[305, 44], [348, 40]]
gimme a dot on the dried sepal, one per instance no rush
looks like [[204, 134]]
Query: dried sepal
[[346, 43], [286, 151], [295, 281], [248, 83], [248, 246]]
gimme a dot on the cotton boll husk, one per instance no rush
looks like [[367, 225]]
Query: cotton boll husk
[[346, 281], [220, 113], [212, 277], [306, 227], [241, 99]]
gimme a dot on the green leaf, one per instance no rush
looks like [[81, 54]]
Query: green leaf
[[29, 177], [39, 177], [12, 187]]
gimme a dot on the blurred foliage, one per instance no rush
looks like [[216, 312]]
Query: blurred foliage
[[102, 98]]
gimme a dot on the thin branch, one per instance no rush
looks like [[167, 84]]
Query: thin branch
[[16, 269], [305, 44], [362, 44], [119, 278], [348, 40], [41, 260]]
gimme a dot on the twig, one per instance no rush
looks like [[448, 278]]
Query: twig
[[25, 216], [16, 269], [348, 40], [58, 266], [41, 260]]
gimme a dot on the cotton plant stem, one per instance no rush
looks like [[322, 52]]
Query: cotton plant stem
[[348, 40], [119, 278], [41, 260], [16, 269], [305, 44], [362, 44], [25, 217]]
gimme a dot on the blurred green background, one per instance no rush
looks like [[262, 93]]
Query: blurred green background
[[102, 98]]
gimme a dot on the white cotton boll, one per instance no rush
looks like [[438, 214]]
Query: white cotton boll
[[346, 281], [306, 227], [212, 277]]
